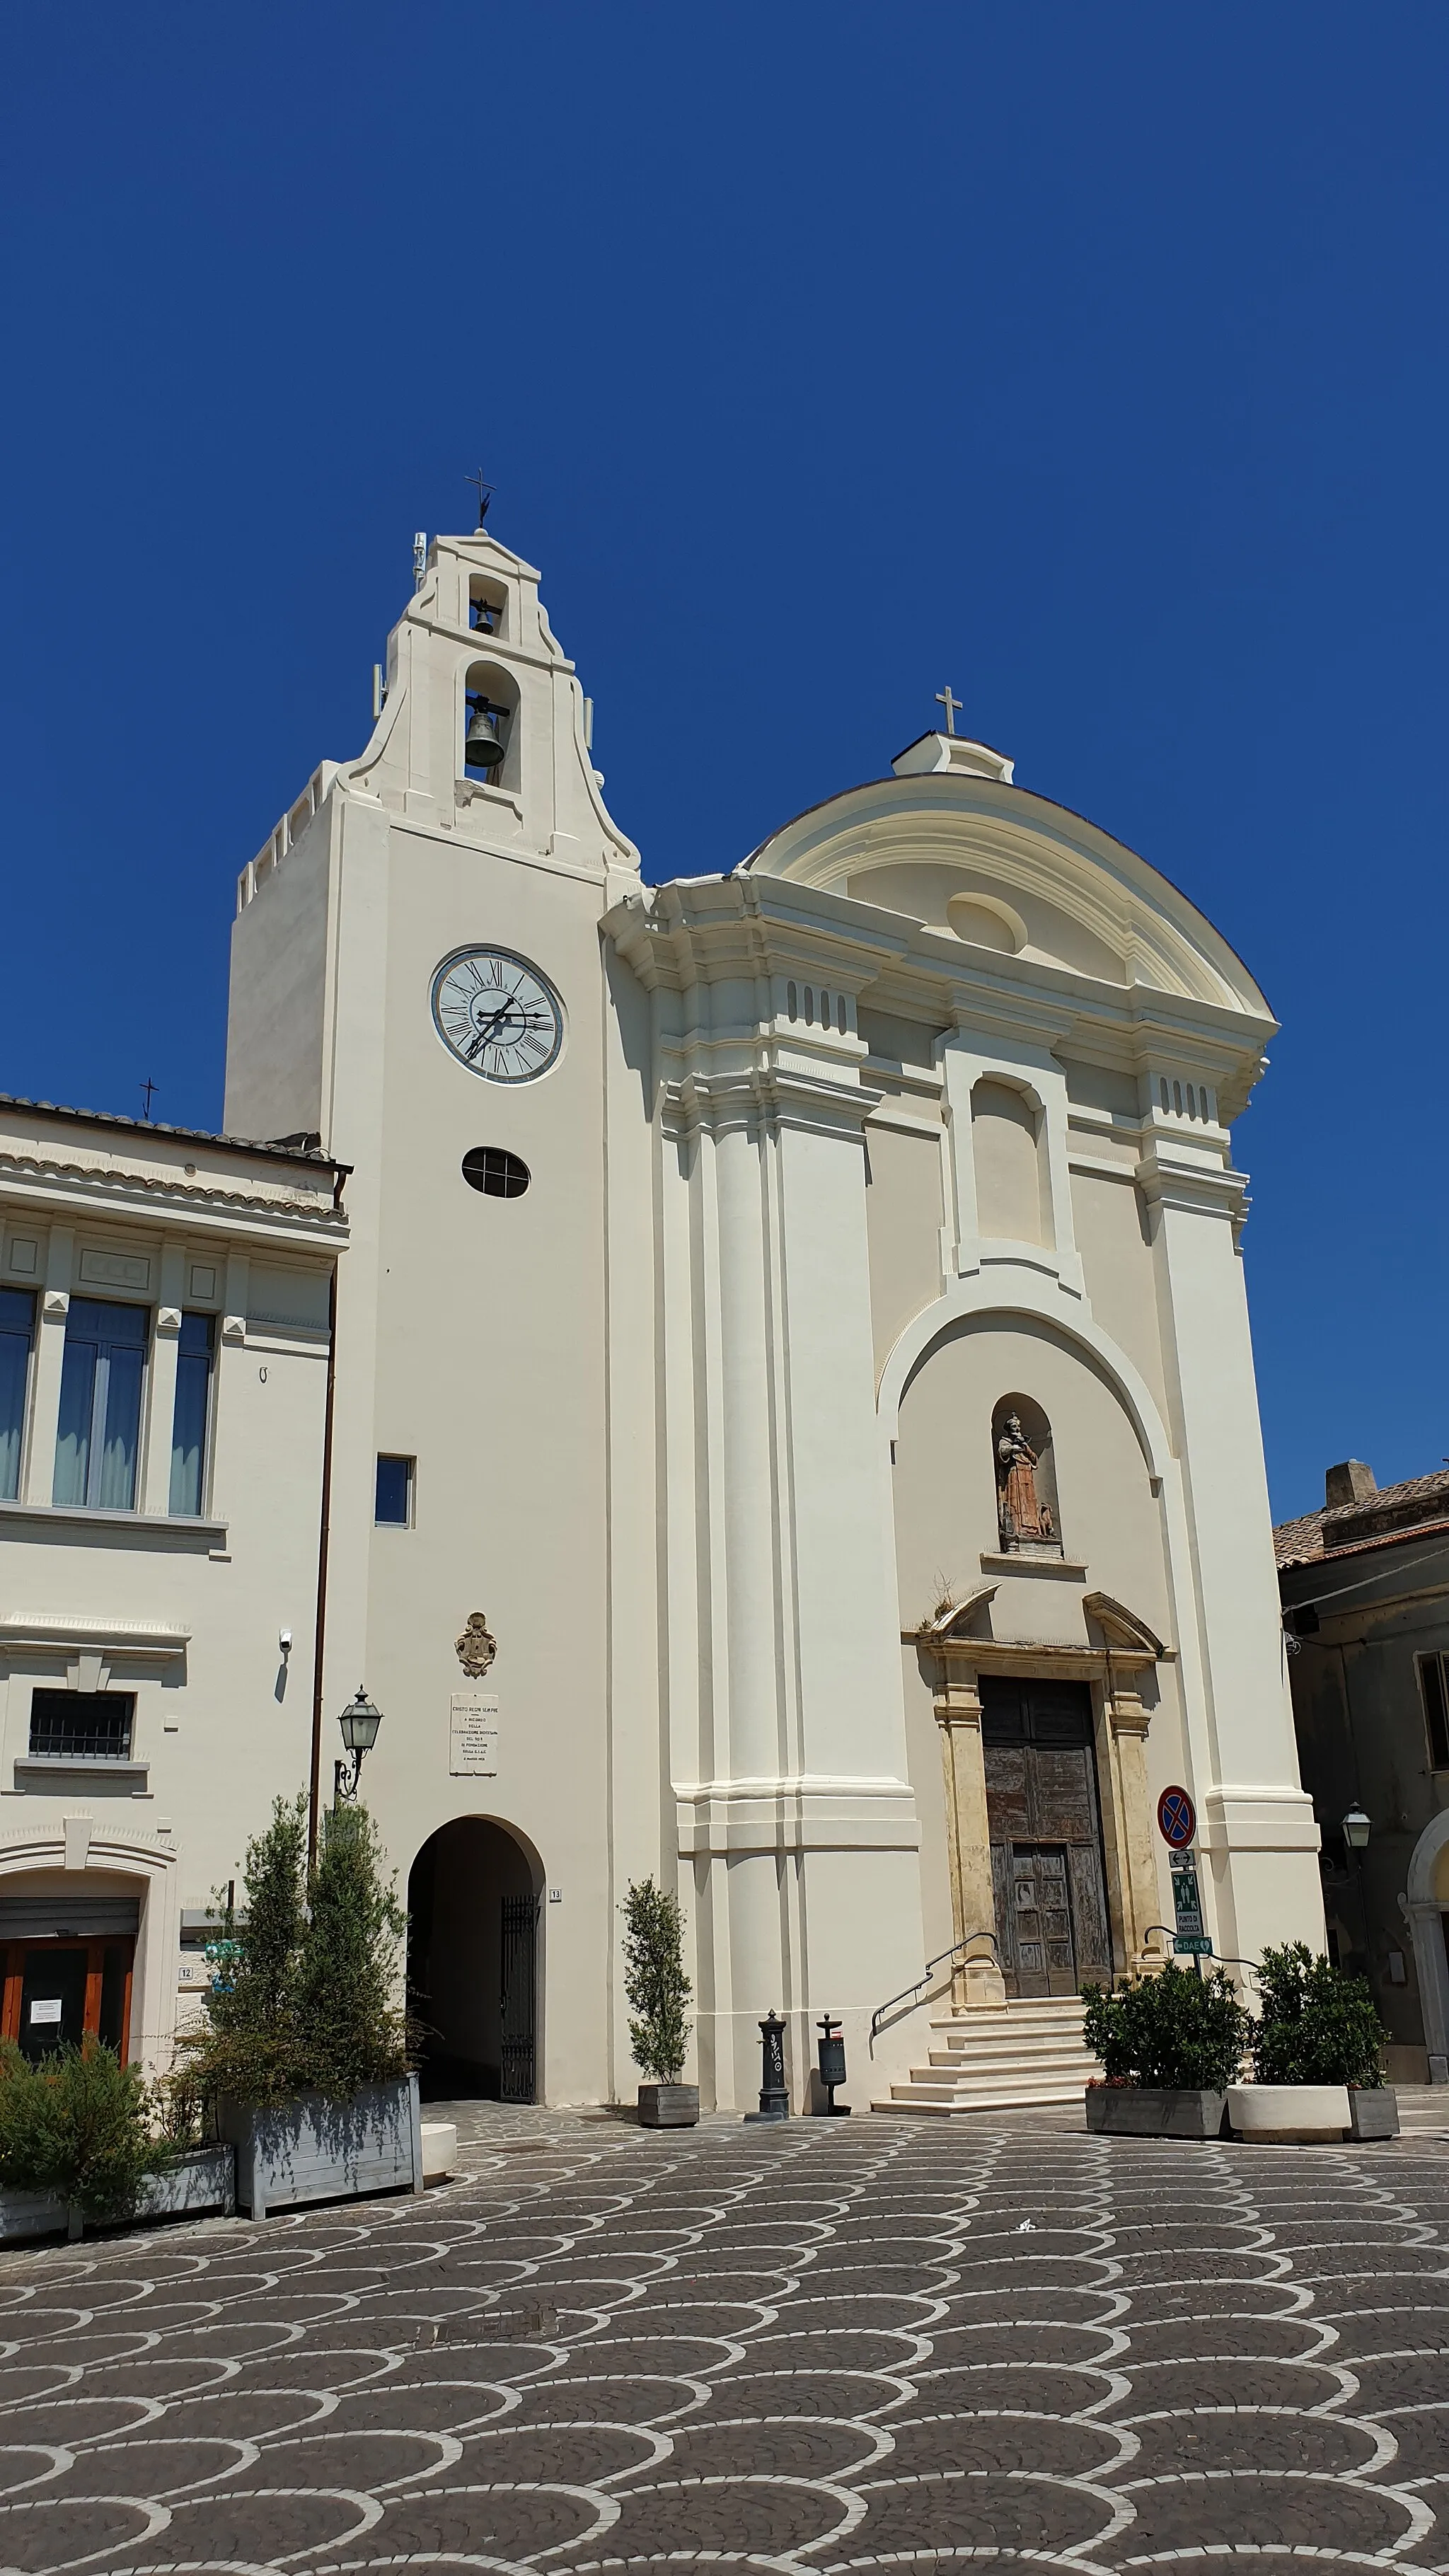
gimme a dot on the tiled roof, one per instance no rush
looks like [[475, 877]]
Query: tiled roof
[[1419, 1502], [274, 1145]]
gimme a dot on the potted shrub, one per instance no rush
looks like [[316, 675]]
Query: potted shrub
[[1170, 2045], [1317, 2063], [303, 2057], [657, 1990], [83, 2137]]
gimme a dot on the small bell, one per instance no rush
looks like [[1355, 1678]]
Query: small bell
[[483, 747]]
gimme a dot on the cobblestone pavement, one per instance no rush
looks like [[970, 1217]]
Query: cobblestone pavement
[[831, 2346]]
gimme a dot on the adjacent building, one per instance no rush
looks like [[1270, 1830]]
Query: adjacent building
[[791, 1429], [1365, 1585]]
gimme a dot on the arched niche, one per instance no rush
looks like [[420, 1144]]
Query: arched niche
[[1013, 1197], [1028, 1515], [983, 922], [487, 604], [488, 683]]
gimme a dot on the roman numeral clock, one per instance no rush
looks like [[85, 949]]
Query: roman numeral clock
[[497, 1014]]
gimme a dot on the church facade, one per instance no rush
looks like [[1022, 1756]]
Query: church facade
[[770, 1359]]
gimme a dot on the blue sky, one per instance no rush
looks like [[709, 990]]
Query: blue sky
[[1090, 359]]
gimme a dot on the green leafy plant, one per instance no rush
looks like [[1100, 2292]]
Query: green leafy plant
[[655, 1985], [346, 1973], [1317, 2025], [79, 2124], [1174, 2032], [302, 1998]]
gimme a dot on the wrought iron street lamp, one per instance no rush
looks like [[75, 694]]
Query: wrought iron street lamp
[[1356, 1830], [359, 1723]]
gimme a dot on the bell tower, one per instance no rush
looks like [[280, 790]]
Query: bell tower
[[417, 981]]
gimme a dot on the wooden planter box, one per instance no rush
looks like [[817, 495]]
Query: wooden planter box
[[1373, 2111], [313, 2149], [198, 2183], [1289, 2115], [668, 2106], [1137, 2111]]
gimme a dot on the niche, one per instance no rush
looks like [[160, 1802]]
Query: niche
[[981, 925], [487, 606], [1026, 1478], [490, 719], [1012, 1203]]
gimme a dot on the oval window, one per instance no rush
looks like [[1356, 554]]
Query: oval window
[[498, 1174]]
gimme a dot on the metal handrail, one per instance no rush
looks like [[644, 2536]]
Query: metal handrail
[[909, 1993]]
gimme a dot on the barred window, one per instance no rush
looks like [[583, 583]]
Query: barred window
[[81, 1726]]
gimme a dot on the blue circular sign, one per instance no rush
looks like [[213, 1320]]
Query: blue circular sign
[[1176, 1818]]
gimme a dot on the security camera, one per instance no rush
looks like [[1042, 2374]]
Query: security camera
[[285, 1641]]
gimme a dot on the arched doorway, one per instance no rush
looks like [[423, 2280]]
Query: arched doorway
[[473, 1906]]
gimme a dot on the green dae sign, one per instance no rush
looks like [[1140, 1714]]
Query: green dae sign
[[1191, 1941]]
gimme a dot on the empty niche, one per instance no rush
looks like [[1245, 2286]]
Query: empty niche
[[981, 925], [1027, 1517], [1009, 1152]]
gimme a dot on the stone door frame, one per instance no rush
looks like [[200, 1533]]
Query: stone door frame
[[953, 1658]]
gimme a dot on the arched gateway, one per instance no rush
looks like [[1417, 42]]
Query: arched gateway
[[473, 1981]]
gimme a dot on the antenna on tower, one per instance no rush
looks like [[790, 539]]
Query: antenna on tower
[[485, 493], [420, 557]]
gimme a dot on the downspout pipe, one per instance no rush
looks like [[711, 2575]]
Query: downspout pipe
[[319, 1627]]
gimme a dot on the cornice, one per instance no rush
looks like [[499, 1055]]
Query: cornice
[[1220, 1192], [706, 930], [740, 1095], [32, 1180]]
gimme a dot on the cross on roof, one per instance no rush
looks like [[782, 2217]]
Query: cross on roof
[[485, 493], [951, 705]]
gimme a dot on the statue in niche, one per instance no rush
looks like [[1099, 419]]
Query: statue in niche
[[1023, 1516]]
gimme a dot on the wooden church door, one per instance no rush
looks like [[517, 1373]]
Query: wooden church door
[[1046, 1841]]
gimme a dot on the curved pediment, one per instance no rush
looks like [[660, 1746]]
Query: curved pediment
[[1010, 874]]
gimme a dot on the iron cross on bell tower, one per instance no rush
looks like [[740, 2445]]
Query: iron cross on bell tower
[[952, 706]]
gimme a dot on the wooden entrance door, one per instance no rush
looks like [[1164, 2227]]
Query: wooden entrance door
[[1046, 1841], [54, 1994]]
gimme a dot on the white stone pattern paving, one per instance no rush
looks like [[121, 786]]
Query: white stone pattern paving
[[825, 2347]]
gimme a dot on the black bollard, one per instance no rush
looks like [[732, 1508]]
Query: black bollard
[[774, 2100], [830, 2049]]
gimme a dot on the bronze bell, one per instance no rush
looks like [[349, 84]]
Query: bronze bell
[[483, 747]]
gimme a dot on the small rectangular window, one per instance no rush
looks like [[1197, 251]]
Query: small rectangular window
[[17, 1329], [394, 1508], [1436, 1709], [193, 1405], [101, 1379], [81, 1726]]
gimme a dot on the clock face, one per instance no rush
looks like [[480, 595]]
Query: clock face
[[499, 1015]]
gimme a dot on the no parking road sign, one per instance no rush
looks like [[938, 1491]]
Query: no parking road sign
[[1176, 1818]]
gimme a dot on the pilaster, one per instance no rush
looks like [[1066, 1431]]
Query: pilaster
[[975, 1979], [54, 1306]]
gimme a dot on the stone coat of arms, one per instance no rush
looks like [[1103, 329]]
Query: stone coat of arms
[[476, 1647]]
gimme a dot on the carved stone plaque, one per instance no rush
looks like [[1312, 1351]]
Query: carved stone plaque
[[473, 1734]]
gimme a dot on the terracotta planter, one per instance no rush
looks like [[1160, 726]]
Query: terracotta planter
[[668, 2106], [313, 2149], [1138, 2111], [1373, 2111], [1289, 2115]]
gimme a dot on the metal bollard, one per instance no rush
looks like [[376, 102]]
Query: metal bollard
[[774, 2100], [830, 2050]]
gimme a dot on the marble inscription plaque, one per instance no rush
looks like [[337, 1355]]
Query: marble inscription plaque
[[473, 1734]]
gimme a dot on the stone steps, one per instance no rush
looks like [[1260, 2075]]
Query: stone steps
[[1008, 2057]]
